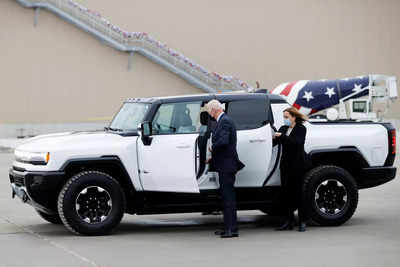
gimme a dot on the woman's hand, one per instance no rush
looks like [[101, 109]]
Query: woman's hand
[[276, 135]]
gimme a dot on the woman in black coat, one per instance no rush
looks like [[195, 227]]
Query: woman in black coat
[[293, 166]]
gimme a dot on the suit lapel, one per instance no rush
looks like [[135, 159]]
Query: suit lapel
[[219, 122], [220, 119], [214, 134]]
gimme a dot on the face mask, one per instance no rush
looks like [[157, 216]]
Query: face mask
[[286, 122]]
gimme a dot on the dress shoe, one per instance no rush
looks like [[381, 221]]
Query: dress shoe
[[229, 234], [288, 225], [302, 227]]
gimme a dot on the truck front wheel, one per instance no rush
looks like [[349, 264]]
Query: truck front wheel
[[91, 203], [330, 195]]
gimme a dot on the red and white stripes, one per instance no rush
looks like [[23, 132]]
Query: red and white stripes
[[290, 91]]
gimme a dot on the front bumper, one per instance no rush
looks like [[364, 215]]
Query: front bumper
[[371, 177], [39, 189]]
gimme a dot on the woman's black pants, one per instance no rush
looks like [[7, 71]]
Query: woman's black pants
[[293, 198]]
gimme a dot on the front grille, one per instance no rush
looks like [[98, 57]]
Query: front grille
[[19, 181]]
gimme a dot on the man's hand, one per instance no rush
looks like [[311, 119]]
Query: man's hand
[[277, 135], [208, 161]]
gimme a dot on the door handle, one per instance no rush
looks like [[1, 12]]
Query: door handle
[[257, 140], [182, 146]]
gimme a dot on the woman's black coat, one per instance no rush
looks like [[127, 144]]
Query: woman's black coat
[[294, 160]]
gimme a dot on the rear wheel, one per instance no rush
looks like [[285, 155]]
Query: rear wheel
[[91, 203], [330, 194], [51, 218]]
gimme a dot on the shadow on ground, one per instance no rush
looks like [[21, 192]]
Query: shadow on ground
[[148, 225]]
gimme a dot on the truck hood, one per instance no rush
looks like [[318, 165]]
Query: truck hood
[[69, 141]]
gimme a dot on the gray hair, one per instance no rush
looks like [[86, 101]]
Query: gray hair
[[214, 105]]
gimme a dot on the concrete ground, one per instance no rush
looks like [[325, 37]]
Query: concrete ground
[[370, 238]]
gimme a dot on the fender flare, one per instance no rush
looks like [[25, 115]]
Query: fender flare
[[104, 163], [349, 150]]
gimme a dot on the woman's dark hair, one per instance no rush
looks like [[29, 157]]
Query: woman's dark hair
[[300, 117]]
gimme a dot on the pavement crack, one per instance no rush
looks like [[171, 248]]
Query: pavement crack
[[53, 243]]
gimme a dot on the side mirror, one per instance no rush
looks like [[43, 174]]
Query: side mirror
[[146, 132]]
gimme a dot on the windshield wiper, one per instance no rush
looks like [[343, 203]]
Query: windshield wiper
[[113, 129]]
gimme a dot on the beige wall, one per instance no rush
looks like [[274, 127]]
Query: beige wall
[[57, 73]]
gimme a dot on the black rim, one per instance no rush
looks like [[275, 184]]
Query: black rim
[[331, 197], [93, 204]]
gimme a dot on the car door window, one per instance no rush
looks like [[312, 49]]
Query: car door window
[[248, 114], [177, 118]]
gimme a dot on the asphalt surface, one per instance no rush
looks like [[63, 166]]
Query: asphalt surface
[[370, 238]]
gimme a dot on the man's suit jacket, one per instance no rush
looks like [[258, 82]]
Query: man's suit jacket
[[224, 154]]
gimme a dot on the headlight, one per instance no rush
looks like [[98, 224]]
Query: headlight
[[35, 158]]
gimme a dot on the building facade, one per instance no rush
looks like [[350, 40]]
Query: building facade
[[56, 73]]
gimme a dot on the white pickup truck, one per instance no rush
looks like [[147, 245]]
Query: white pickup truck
[[88, 180]]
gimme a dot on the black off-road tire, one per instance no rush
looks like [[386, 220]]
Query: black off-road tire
[[316, 177], [67, 203], [51, 218]]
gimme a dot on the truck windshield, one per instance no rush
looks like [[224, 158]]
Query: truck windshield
[[129, 117]]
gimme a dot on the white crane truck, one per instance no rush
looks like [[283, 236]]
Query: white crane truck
[[362, 98]]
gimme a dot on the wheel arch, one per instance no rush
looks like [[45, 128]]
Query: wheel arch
[[111, 165], [348, 158]]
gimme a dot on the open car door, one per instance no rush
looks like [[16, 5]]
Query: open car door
[[167, 164]]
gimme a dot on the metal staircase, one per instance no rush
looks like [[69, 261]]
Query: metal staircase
[[137, 42]]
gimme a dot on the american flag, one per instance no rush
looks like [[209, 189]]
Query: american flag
[[312, 96]]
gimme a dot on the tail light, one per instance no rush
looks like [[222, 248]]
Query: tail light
[[391, 144], [393, 141]]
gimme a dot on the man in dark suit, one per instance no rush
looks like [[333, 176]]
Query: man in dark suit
[[225, 160]]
